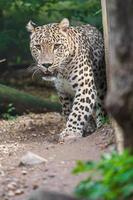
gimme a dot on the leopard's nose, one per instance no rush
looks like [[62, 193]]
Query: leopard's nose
[[47, 65]]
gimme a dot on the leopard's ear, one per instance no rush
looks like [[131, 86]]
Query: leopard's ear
[[64, 24], [31, 26]]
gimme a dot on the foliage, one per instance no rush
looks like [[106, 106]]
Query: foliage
[[111, 178], [54, 98], [105, 120], [15, 14], [10, 113]]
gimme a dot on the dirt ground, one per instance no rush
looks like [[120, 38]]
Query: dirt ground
[[36, 133]]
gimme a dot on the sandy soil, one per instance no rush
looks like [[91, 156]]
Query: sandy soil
[[36, 133]]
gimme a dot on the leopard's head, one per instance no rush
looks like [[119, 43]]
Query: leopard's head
[[50, 46]]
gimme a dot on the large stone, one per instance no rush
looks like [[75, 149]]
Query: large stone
[[31, 159]]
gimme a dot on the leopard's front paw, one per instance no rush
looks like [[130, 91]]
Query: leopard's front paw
[[68, 135], [89, 130]]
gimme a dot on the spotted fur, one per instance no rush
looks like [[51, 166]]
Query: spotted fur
[[73, 58]]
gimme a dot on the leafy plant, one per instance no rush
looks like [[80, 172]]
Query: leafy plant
[[105, 120], [111, 178], [9, 114]]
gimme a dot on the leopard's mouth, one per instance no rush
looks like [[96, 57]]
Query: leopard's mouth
[[48, 76], [48, 73]]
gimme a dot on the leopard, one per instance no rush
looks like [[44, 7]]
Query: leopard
[[72, 57]]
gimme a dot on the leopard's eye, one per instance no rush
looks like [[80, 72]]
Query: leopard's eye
[[38, 46], [56, 46]]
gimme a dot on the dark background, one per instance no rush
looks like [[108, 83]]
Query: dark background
[[15, 14], [14, 38]]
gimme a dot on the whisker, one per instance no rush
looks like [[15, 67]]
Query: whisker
[[36, 71], [32, 67]]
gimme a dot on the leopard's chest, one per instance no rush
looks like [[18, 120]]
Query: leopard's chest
[[64, 86]]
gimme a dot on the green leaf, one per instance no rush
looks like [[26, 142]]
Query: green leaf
[[111, 178], [83, 167]]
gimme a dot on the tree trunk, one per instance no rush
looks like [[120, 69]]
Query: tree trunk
[[120, 95], [23, 102], [107, 43]]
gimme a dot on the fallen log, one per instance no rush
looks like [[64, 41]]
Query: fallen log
[[2, 60], [24, 102]]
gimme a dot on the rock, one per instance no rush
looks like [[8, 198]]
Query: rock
[[24, 172], [31, 159], [40, 194], [34, 134], [1, 171], [51, 175], [19, 191], [11, 193], [12, 186], [35, 186]]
